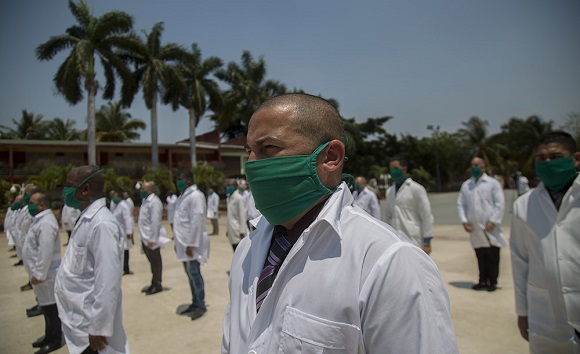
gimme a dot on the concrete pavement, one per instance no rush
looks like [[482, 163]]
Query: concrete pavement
[[484, 322]]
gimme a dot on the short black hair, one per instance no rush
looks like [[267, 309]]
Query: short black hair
[[401, 160], [559, 137]]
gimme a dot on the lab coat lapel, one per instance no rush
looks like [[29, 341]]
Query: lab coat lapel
[[572, 195]]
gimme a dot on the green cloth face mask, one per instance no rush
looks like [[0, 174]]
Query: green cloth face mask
[[143, 194], [555, 174], [357, 187], [69, 193], [181, 185], [396, 174], [16, 206], [285, 186], [476, 171], [33, 209], [115, 200], [230, 190], [26, 198]]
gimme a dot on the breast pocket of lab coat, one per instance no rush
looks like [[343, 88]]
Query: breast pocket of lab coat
[[78, 259], [307, 334]]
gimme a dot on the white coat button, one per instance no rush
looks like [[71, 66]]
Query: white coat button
[[561, 257]]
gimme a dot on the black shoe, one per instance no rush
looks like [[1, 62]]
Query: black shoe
[[13, 256], [34, 311], [19, 263], [154, 290], [26, 286], [492, 287], [479, 286], [187, 310], [197, 313], [39, 342], [49, 348], [128, 273], [146, 288]]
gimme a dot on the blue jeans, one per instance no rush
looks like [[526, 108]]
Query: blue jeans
[[195, 283]]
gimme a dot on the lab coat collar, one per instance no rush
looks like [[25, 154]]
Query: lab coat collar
[[150, 197], [41, 214], [92, 209]]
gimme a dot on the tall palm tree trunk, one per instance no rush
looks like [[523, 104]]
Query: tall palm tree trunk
[[154, 146], [192, 141], [91, 129]]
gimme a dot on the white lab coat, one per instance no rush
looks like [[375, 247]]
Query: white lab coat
[[19, 229], [251, 205], [545, 249], [368, 201], [213, 202], [7, 225], [68, 217], [124, 217], [149, 223], [480, 201], [237, 217], [408, 211], [88, 282], [131, 205], [170, 207], [523, 185], [189, 226], [41, 253], [350, 284]]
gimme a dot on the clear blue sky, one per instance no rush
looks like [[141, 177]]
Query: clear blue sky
[[423, 62]]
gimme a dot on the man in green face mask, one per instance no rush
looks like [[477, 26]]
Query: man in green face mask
[[545, 249], [316, 266]]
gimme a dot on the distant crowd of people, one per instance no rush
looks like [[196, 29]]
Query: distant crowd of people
[[323, 269]]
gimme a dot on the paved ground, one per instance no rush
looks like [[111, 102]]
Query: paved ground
[[484, 322]]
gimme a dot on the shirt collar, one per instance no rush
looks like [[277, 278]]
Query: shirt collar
[[93, 208]]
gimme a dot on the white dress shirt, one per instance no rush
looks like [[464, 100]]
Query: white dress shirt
[[350, 284]]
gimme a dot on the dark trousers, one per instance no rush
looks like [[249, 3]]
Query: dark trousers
[[488, 263], [69, 232], [52, 325], [214, 226], [126, 262], [154, 258]]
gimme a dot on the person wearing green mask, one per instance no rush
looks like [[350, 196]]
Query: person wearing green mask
[[124, 216], [41, 253], [237, 213], [408, 209], [545, 249], [318, 272], [22, 223], [191, 240], [366, 199], [480, 205], [88, 282]]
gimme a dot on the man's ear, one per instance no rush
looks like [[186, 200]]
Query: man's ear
[[334, 157], [576, 159]]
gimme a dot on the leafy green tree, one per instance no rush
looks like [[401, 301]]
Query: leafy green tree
[[201, 91], [92, 38], [163, 179], [51, 178], [58, 129], [29, 127], [475, 134], [154, 73], [206, 176], [116, 124], [248, 89]]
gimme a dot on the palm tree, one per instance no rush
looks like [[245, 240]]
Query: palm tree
[[29, 127], [248, 89], [115, 124], [58, 129], [91, 37], [154, 73], [201, 93], [475, 134]]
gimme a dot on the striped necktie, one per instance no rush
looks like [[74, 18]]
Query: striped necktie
[[278, 251]]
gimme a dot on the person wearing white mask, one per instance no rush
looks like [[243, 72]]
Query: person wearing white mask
[[41, 252], [408, 209], [545, 249], [191, 240], [88, 282], [481, 205]]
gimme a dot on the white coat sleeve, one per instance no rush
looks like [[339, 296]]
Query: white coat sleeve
[[520, 261], [374, 206], [462, 204], [45, 251], [415, 319], [390, 205], [243, 214], [156, 214], [196, 212], [424, 211], [127, 219], [498, 204], [105, 249]]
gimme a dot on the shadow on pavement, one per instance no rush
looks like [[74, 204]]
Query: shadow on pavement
[[462, 284]]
